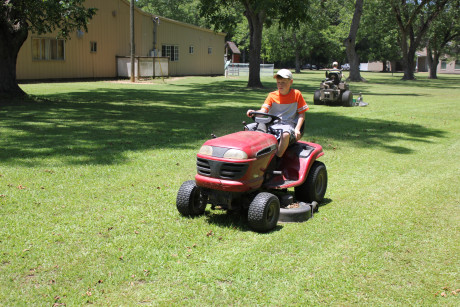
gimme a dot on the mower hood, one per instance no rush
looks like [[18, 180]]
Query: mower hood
[[253, 143]]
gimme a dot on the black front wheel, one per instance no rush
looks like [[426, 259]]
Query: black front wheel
[[264, 212], [189, 200], [314, 187]]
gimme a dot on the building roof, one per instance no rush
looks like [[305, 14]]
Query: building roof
[[185, 24], [233, 47], [154, 16]]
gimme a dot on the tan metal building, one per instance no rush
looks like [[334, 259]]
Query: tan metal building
[[191, 50], [444, 66]]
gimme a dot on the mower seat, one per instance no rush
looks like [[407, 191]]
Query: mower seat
[[334, 77]]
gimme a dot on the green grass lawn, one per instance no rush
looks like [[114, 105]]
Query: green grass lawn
[[89, 173]]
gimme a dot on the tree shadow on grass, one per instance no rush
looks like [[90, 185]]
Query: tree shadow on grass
[[99, 126], [443, 81], [368, 133]]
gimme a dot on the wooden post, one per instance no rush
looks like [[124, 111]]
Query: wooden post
[[133, 49]]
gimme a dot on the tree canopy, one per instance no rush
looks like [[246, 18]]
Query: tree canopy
[[311, 42], [181, 10], [18, 17], [378, 35], [259, 13]]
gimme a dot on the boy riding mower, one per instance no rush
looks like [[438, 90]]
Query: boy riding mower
[[333, 91], [237, 172]]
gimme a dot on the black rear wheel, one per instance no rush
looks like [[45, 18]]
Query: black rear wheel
[[347, 99], [264, 212], [314, 187], [317, 98]]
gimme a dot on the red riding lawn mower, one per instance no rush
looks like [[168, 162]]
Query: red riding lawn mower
[[238, 171]]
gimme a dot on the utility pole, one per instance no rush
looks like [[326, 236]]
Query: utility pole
[[133, 49]]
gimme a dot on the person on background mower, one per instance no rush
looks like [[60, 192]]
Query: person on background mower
[[289, 105], [336, 76], [335, 67]]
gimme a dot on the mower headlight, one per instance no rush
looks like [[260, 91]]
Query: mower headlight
[[206, 150], [235, 154]]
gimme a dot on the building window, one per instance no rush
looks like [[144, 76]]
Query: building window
[[93, 46], [457, 64], [191, 49], [48, 49], [209, 50], [170, 51], [443, 64]]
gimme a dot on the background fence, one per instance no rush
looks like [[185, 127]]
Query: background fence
[[143, 66], [242, 69]]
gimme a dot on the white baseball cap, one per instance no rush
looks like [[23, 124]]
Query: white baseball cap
[[335, 64], [284, 73]]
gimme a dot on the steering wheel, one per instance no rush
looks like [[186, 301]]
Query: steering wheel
[[268, 120]]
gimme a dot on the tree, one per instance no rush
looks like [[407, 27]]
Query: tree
[[241, 37], [285, 46], [414, 19], [313, 41], [350, 43], [186, 11], [180, 10], [18, 17], [378, 34], [258, 13], [334, 27], [443, 36]]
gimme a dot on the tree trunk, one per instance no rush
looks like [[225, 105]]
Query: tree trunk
[[297, 53], [434, 67], [12, 40], [433, 60], [350, 43], [256, 22], [408, 54], [384, 68], [297, 61], [409, 64]]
